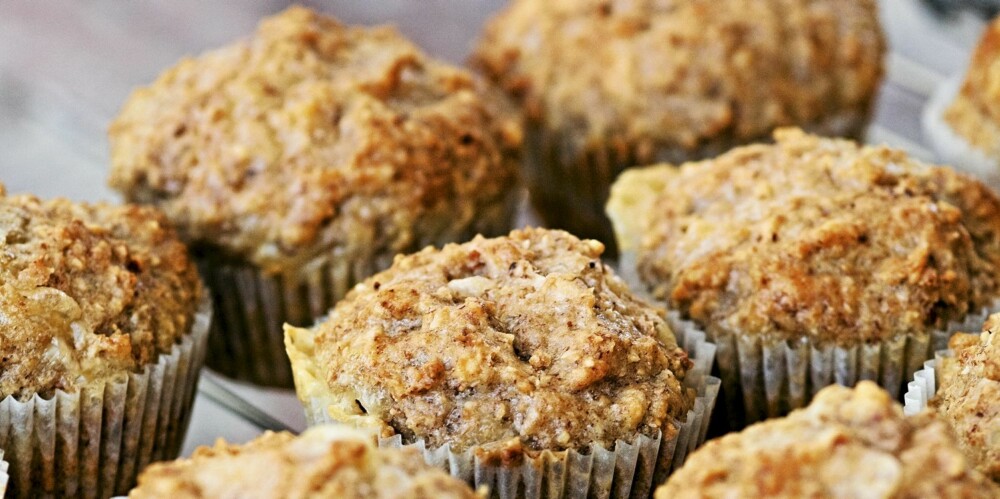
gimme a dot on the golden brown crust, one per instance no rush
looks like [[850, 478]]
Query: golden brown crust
[[313, 137], [324, 462], [87, 293], [520, 343], [975, 112], [678, 74], [968, 396], [813, 237], [847, 443]]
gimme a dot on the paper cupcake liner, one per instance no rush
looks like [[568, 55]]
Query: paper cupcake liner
[[950, 147], [4, 477], [924, 385], [247, 342], [763, 379], [570, 181], [630, 469], [94, 442]]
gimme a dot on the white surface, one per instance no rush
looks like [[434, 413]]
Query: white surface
[[65, 67]]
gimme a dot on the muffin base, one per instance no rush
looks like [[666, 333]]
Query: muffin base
[[93, 443], [629, 469], [570, 182], [247, 342], [763, 379], [950, 147]]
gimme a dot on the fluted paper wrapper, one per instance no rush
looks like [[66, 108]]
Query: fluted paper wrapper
[[950, 147], [4, 477], [924, 384], [93, 443], [630, 469], [570, 179], [247, 342], [762, 378]]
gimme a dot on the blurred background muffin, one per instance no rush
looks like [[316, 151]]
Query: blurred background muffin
[[962, 386], [962, 119], [301, 160], [324, 462], [847, 443], [812, 261], [524, 356], [606, 85], [103, 333]]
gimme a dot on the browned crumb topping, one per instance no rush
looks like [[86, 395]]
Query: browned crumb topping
[[813, 237], [87, 292], [324, 462], [311, 137], [518, 343], [847, 443], [680, 73], [975, 112], [968, 395]]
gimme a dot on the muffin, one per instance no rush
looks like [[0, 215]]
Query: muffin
[[522, 363], [812, 261], [324, 462], [104, 331], [847, 443], [304, 158], [967, 379], [605, 85], [962, 118]]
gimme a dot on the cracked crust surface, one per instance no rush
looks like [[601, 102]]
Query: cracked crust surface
[[87, 293], [968, 395], [517, 344], [313, 137], [975, 112], [324, 462], [846, 443], [680, 73], [812, 237]]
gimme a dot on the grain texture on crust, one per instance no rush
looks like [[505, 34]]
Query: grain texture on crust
[[975, 112], [968, 395], [514, 344], [813, 237], [677, 74], [311, 138], [324, 462], [847, 443], [87, 293]]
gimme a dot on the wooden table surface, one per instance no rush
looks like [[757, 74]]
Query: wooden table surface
[[66, 67]]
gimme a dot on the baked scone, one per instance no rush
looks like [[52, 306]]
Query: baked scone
[[968, 395], [324, 462], [515, 349], [847, 443], [100, 305], [812, 260], [609, 84], [302, 159]]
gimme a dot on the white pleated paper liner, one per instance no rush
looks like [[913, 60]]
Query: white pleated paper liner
[[924, 385], [251, 305], [4, 477], [762, 378], [630, 469], [94, 442], [951, 148]]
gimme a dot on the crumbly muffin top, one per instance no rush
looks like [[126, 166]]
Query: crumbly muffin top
[[680, 72], [812, 237], [325, 461], [975, 112], [87, 292], [968, 395], [311, 137], [846, 443], [520, 343]]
